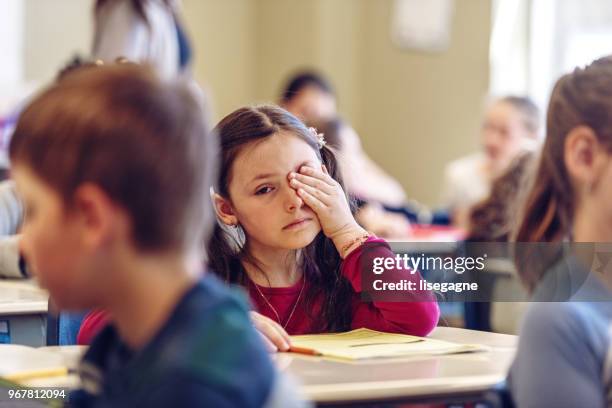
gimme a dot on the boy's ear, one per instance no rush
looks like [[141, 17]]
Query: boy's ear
[[224, 210], [101, 218]]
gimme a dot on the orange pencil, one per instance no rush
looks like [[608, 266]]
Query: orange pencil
[[304, 350]]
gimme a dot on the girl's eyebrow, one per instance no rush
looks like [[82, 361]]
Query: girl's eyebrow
[[266, 175], [307, 162], [262, 176]]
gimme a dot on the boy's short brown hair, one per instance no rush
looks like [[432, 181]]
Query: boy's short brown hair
[[143, 141]]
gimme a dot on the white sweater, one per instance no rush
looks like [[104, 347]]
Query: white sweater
[[121, 32]]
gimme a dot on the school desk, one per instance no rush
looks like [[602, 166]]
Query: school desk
[[460, 378], [456, 378], [23, 313]]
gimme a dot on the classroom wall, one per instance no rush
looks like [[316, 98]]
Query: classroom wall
[[320, 34], [225, 50], [54, 31], [422, 110], [402, 103]]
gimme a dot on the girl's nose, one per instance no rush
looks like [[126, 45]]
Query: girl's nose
[[292, 200]]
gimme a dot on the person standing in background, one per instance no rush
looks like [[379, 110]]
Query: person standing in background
[[145, 31], [510, 127]]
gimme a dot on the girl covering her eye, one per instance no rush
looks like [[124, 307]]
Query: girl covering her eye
[[288, 236]]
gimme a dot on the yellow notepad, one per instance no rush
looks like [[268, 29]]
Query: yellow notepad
[[27, 365], [365, 343]]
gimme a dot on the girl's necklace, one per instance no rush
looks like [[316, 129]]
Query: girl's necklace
[[274, 310]]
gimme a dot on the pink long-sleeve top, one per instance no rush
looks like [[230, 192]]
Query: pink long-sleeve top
[[415, 314]]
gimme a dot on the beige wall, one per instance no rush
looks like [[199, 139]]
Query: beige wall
[[414, 111], [285, 32], [54, 31], [223, 37], [321, 34], [419, 110]]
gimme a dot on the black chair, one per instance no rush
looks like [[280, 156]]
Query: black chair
[[52, 325]]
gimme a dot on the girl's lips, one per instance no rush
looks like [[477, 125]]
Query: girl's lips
[[297, 223]]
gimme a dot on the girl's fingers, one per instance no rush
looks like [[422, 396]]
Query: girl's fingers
[[311, 201], [279, 337], [309, 171], [282, 332], [318, 194], [271, 330], [274, 335], [314, 182], [267, 343]]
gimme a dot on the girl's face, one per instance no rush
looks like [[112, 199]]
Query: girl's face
[[271, 213], [504, 134]]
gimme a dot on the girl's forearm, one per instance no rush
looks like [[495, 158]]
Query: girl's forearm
[[349, 238]]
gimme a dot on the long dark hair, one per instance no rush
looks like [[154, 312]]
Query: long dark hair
[[579, 98], [304, 79], [493, 218], [320, 261]]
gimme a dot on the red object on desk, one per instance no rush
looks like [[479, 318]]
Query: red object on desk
[[436, 233]]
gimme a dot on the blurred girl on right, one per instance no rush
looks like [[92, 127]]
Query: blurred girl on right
[[564, 357]]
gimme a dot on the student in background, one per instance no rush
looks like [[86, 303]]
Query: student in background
[[511, 126], [114, 168], [492, 221], [293, 242], [371, 215], [563, 357], [311, 98], [142, 31]]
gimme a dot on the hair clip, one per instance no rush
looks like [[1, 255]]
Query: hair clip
[[319, 137]]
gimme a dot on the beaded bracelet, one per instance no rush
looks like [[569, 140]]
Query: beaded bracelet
[[359, 240]]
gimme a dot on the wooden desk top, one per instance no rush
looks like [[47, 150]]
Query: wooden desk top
[[375, 380]]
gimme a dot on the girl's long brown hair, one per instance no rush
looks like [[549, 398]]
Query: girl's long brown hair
[[320, 261], [583, 97]]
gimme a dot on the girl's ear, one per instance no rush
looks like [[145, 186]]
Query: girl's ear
[[224, 210], [583, 156]]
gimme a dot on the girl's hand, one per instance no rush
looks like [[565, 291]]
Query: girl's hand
[[273, 335], [325, 197]]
